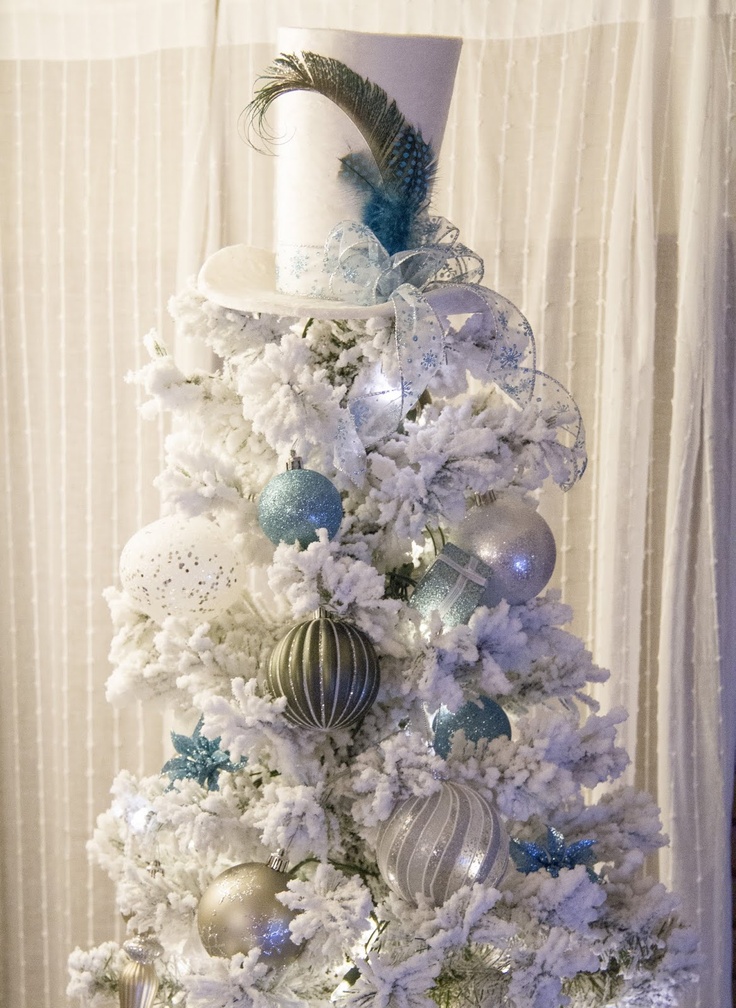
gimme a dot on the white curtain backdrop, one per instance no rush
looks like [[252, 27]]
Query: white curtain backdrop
[[589, 160]]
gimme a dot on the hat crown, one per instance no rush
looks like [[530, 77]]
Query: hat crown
[[313, 192]]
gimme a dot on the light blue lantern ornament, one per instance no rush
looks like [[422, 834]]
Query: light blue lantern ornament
[[479, 719], [298, 502], [453, 586]]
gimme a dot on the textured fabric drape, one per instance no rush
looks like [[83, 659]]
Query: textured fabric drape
[[588, 159]]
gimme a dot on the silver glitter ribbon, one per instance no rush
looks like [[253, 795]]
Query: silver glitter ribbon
[[426, 285]]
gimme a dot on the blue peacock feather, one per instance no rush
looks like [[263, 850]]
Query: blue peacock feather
[[397, 181]]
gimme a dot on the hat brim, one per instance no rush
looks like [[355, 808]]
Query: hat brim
[[244, 278]]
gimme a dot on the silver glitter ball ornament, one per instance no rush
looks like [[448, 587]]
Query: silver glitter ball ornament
[[516, 543], [328, 671], [432, 846], [239, 911], [296, 503]]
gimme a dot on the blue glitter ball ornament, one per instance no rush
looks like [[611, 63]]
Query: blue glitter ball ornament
[[294, 504], [479, 719]]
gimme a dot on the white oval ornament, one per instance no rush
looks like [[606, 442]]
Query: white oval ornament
[[183, 567]]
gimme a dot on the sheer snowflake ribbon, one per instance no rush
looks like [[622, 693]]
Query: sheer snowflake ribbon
[[427, 285]]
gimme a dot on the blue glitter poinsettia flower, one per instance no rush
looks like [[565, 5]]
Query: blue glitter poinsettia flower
[[552, 854], [200, 759]]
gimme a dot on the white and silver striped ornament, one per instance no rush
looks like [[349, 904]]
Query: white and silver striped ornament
[[432, 846], [328, 671]]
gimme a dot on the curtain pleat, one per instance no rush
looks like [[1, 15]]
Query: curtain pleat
[[696, 707], [88, 256], [588, 158], [626, 392]]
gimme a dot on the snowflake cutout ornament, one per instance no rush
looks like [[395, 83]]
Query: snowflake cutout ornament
[[552, 854], [200, 759]]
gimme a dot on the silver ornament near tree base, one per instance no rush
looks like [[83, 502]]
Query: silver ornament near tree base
[[240, 911], [432, 846], [138, 980], [328, 671], [516, 543]]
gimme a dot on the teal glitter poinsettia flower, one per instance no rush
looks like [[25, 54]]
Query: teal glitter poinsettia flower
[[552, 854], [200, 759]]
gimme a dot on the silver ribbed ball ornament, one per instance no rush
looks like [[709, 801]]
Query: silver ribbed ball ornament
[[328, 671], [432, 846], [240, 911], [516, 543]]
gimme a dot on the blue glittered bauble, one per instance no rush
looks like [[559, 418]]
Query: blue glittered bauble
[[433, 845], [294, 504], [479, 719]]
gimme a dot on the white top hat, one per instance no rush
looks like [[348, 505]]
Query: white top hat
[[312, 135]]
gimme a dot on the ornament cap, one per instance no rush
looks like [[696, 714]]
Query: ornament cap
[[294, 462], [143, 949], [278, 861], [485, 498]]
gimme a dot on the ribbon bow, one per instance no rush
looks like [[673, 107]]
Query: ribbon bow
[[427, 285]]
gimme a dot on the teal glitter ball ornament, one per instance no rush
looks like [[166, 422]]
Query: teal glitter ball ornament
[[328, 671], [298, 502], [433, 845], [479, 719]]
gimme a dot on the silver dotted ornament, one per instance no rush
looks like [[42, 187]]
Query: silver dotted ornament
[[517, 544], [432, 846], [328, 671], [183, 567], [240, 911]]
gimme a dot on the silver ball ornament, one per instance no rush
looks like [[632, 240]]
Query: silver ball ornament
[[433, 845], [239, 911], [328, 671], [516, 543], [138, 980]]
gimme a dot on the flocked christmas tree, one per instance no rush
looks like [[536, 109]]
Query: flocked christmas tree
[[384, 798]]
